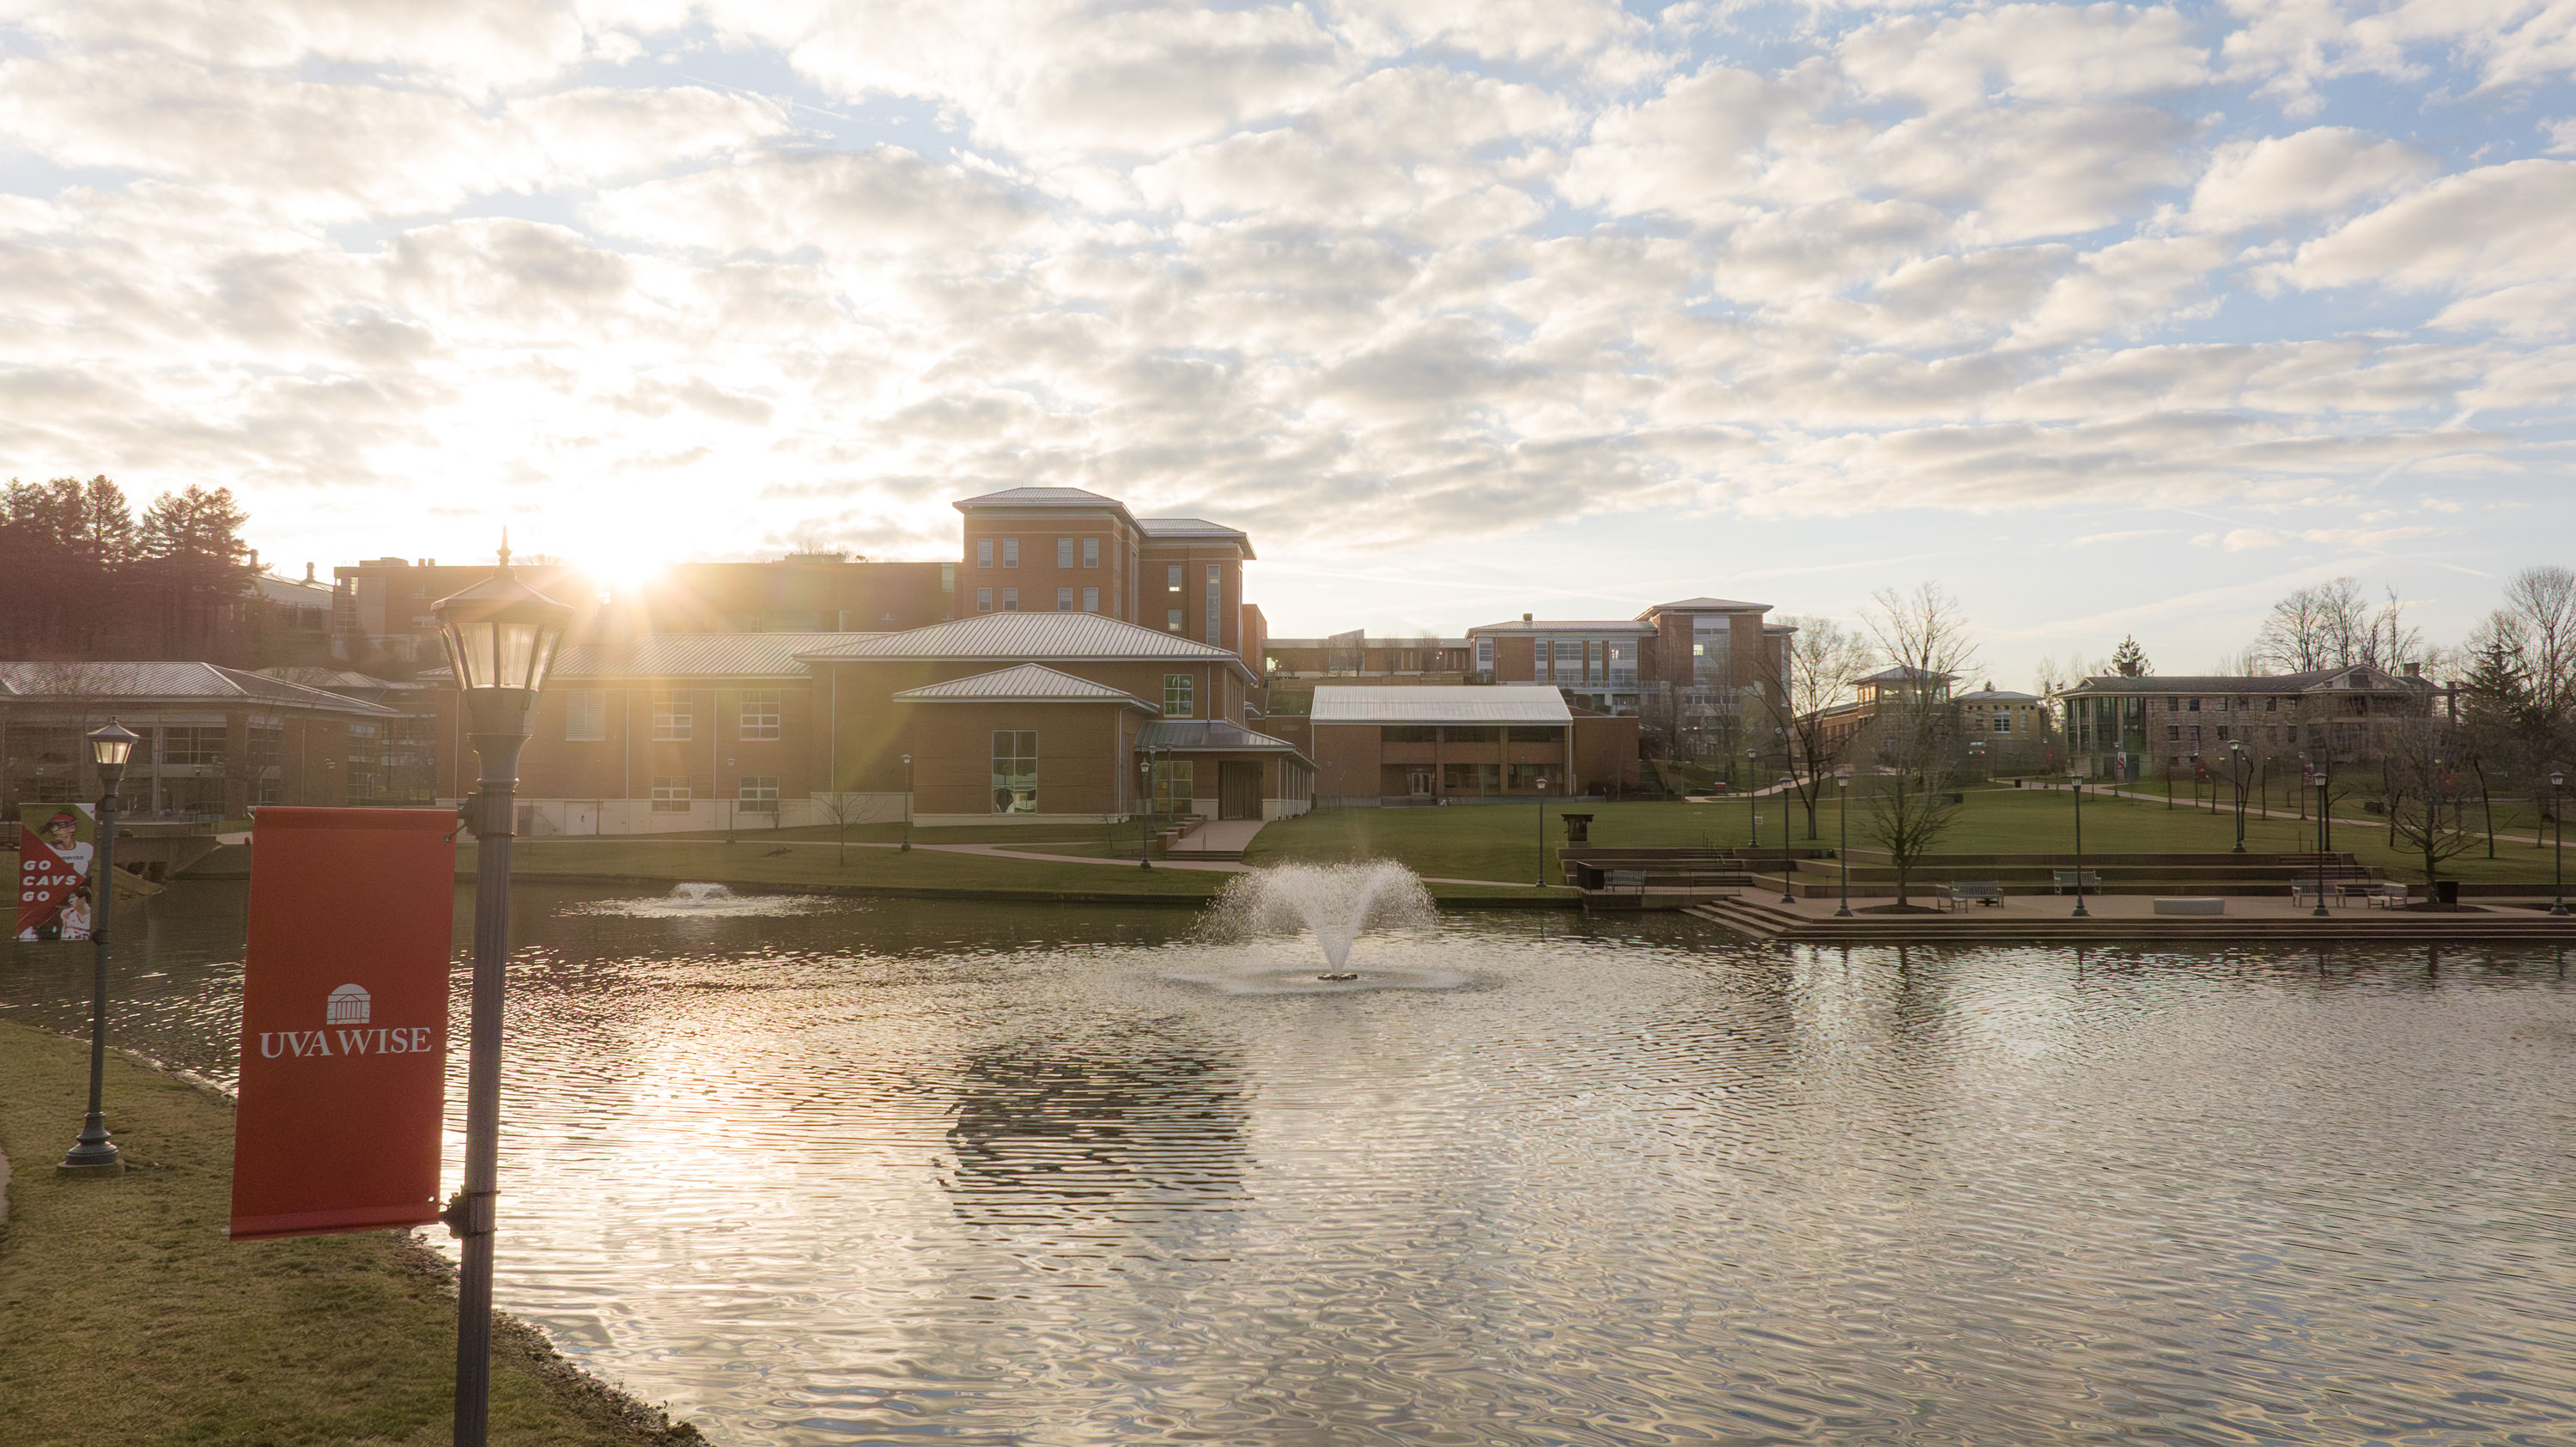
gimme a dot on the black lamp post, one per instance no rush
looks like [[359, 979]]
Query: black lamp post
[[93, 1154], [2080, 911], [2557, 859], [2321, 844], [1842, 851], [1787, 895], [2236, 776], [907, 806], [501, 639], [1752, 803], [1145, 811], [1541, 881]]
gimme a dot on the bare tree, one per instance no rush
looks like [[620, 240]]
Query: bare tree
[[2418, 788], [845, 809], [2541, 602], [1923, 636], [2333, 625], [1822, 660]]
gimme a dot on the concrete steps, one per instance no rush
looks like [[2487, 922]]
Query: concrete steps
[[1756, 917]]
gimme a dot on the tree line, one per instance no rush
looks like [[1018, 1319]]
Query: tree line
[[83, 576]]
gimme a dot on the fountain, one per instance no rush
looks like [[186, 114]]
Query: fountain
[[1337, 903], [702, 899]]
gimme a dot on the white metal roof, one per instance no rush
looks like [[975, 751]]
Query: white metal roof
[[1041, 497], [1709, 605], [1629, 626], [1195, 528], [696, 655], [1209, 736], [1503, 703], [138, 684], [1022, 637], [1028, 683]]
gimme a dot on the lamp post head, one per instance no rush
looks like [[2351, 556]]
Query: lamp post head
[[2556, 779], [501, 637], [109, 747], [907, 761]]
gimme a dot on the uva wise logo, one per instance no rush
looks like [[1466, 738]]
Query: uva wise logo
[[349, 1005]]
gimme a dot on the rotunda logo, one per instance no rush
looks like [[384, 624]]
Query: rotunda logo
[[350, 1005]]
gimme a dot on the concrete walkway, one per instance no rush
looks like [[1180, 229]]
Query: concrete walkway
[[1218, 836]]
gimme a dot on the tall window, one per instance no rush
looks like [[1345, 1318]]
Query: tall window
[[760, 713], [983, 552], [1091, 552], [202, 747], [1091, 600], [1172, 577], [1710, 660], [1015, 771], [1215, 604], [1010, 600], [1175, 783], [1010, 552], [983, 600], [1064, 600], [1569, 660], [1623, 661], [1178, 699], [1173, 621], [1484, 655], [756, 794], [1064, 552], [586, 715], [671, 717], [670, 793], [948, 577]]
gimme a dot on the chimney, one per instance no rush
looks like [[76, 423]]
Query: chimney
[[254, 560], [2414, 670], [1525, 617], [308, 572]]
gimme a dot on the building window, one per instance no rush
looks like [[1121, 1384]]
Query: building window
[[1569, 660], [983, 600], [1064, 600], [1175, 784], [948, 577], [1484, 655], [1471, 778], [1177, 697], [1172, 577], [756, 794], [1091, 552], [586, 715], [983, 552], [2194, 735], [1408, 734], [671, 717], [1529, 778], [1471, 734], [760, 713], [1215, 604], [1173, 621], [2173, 733], [198, 747], [670, 793], [1010, 600], [1091, 600], [2195, 705], [1064, 552], [1015, 771], [2271, 705], [1010, 552]]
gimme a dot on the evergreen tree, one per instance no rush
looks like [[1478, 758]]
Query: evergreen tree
[[2503, 726], [2130, 661], [195, 560]]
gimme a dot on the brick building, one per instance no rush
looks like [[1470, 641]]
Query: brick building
[[2134, 728], [1404, 743]]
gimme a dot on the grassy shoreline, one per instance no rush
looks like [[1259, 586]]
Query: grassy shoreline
[[129, 1318]]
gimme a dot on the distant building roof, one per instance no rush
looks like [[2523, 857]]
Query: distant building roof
[[695, 655], [1019, 637], [1046, 497], [341, 680], [1508, 703], [2361, 676], [1209, 736], [1994, 695], [1708, 605], [1387, 641], [143, 684], [1902, 675], [1028, 683], [1567, 625], [1194, 528], [293, 592]]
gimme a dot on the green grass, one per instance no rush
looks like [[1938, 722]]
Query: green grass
[[127, 1317], [751, 862], [1500, 842], [891, 833]]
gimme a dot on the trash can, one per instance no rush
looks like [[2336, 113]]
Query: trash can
[[2447, 891], [1578, 828]]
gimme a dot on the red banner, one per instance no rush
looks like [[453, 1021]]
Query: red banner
[[344, 1021], [55, 845]]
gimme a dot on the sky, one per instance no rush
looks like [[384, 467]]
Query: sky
[[2111, 319]]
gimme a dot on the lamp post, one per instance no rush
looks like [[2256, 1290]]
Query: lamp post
[[1541, 882], [501, 637], [1145, 811], [2557, 860], [93, 1154], [907, 806], [1787, 895], [2236, 776], [2321, 844], [2080, 911], [1842, 851], [1752, 803]]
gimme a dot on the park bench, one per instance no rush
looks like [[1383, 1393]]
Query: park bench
[[2388, 896], [2308, 892], [1960, 893], [2066, 879], [1632, 880]]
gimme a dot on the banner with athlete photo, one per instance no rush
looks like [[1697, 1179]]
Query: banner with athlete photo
[[56, 843]]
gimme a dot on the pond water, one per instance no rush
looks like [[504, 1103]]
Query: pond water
[[908, 1172]]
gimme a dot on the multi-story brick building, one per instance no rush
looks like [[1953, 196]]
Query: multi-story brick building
[[2132, 728], [1422, 659]]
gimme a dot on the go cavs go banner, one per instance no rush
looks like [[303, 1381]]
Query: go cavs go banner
[[344, 1021]]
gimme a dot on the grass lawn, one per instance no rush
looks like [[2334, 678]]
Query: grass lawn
[[752, 862], [128, 1318], [1501, 841]]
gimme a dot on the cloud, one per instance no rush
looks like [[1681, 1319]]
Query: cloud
[[2048, 53], [2479, 231], [2315, 172]]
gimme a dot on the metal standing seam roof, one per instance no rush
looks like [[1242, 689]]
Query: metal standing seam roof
[[1506, 703], [1185, 528], [140, 684], [1028, 683], [2218, 683], [695, 655], [1024, 638], [1046, 497], [1570, 625], [1709, 605], [1994, 695], [1210, 736]]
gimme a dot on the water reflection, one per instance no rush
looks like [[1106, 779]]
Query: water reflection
[[903, 1172]]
